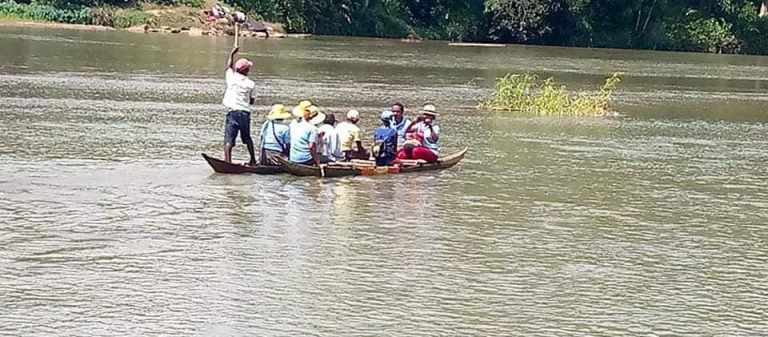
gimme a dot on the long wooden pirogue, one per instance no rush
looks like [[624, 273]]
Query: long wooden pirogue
[[357, 168], [220, 166]]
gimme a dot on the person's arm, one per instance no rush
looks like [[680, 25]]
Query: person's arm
[[231, 59], [409, 129], [313, 147], [434, 132]]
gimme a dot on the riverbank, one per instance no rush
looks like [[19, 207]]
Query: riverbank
[[9, 22], [145, 28]]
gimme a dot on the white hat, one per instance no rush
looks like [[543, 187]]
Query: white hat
[[429, 109], [353, 114]]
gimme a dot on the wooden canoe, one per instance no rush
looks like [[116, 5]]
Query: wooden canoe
[[220, 166], [332, 171]]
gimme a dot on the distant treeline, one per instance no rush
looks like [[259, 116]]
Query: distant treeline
[[727, 26]]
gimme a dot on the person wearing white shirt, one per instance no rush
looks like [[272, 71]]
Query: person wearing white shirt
[[329, 139], [238, 99]]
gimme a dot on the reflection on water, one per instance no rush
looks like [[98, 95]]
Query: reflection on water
[[111, 224]]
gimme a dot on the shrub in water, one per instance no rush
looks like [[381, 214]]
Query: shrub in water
[[527, 94]]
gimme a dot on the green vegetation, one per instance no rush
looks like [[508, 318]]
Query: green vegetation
[[528, 94], [724, 26]]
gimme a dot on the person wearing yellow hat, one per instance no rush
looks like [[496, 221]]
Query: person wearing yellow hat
[[275, 136], [425, 124], [298, 111], [304, 139]]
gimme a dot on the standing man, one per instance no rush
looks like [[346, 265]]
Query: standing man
[[399, 122], [238, 98], [427, 127]]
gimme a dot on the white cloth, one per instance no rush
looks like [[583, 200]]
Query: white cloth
[[240, 89], [330, 142]]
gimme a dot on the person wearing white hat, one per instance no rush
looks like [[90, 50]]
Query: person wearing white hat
[[349, 137], [426, 126]]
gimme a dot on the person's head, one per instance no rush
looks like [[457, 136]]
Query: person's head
[[353, 116], [386, 117], [397, 109], [408, 149], [430, 113], [243, 66], [330, 119]]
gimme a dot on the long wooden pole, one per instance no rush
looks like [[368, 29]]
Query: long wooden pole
[[237, 35]]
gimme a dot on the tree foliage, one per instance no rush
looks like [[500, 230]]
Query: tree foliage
[[728, 26]]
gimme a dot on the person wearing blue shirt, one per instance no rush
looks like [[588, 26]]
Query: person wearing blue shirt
[[304, 141], [399, 122], [385, 141], [427, 127], [275, 136]]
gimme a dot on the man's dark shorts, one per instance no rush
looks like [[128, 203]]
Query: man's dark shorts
[[237, 120]]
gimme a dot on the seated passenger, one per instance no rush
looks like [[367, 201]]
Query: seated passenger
[[349, 137], [385, 141], [413, 149], [275, 136]]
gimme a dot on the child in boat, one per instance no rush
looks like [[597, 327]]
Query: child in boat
[[385, 141]]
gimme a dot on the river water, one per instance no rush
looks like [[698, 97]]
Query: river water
[[648, 224]]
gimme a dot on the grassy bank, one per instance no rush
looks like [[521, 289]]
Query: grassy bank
[[108, 16]]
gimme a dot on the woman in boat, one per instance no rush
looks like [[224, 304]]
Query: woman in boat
[[385, 141], [275, 136], [304, 139], [427, 126]]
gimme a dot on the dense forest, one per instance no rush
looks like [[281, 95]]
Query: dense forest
[[727, 26]]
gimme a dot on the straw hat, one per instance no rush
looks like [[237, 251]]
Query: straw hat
[[317, 117], [278, 112], [429, 109], [297, 112]]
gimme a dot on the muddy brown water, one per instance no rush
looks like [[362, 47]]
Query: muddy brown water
[[648, 224]]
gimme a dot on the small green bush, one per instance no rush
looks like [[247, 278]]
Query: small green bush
[[527, 94], [40, 12], [130, 18]]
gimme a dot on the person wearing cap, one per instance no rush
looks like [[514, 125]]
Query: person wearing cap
[[275, 136], [399, 122], [385, 141], [349, 137], [237, 99], [329, 140], [428, 128], [304, 138]]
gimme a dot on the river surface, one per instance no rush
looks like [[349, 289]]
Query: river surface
[[653, 223]]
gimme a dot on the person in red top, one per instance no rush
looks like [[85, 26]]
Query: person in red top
[[413, 149]]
